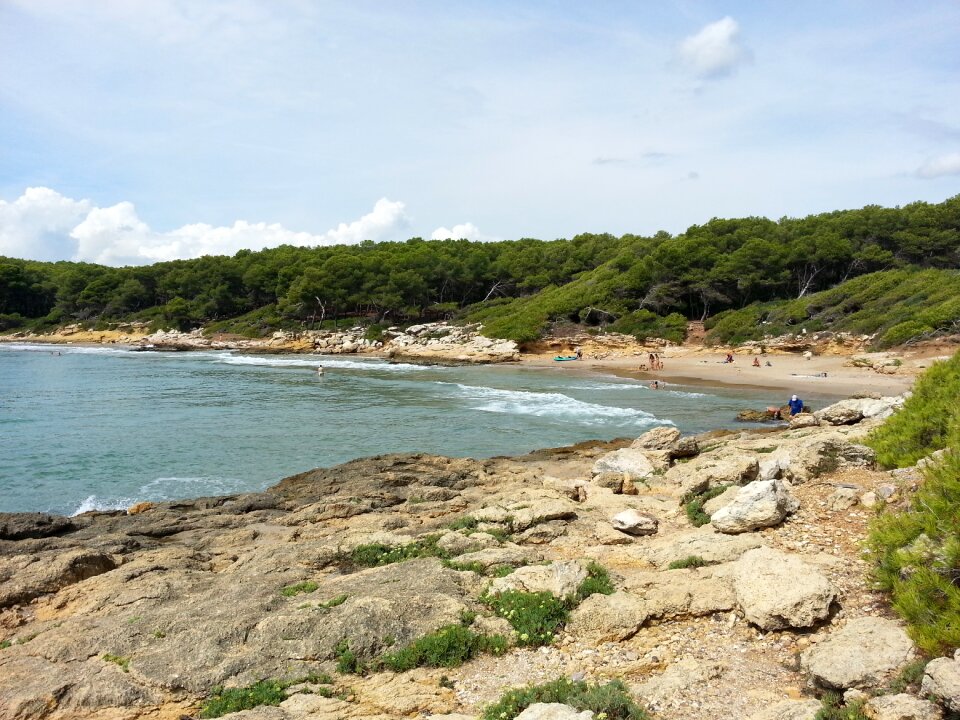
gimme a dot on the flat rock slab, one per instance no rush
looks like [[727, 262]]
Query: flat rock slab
[[778, 591], [605, 618], [704, 542], [790, 710], [859, 655]]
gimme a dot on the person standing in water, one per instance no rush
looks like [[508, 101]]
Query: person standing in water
[[796, 405]]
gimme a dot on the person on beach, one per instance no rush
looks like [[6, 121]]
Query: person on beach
[[796, 405], [756, 362], [578, 352], [655, 385]]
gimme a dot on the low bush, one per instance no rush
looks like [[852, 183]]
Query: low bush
[[693, 504], [348, 662], [928, 421], [536, 617], [611, 701], [916, 555], [832, 707], [376, 554], [122, 662], [598, 581], [449, 646], [308, 586], [230, 700], [691, 561]]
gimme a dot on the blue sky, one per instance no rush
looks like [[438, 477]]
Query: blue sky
[[142, 130]]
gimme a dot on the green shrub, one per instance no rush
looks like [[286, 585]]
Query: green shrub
[[308, 586], [230, 700], [376, 554], [597, 581], [902, 332], [928, 421], [348, 663], [833, 708], [691, 561], [916, 556], [466, 522], [611, 701], [693, 504], [536, 617], [333, 602], [449, 646], [122, 662]]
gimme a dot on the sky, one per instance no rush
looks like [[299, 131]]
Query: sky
[[135, 131]]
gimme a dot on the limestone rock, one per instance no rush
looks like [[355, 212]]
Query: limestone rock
[[853, 410], [823, 454], [680, 675], [17, 526], [790, 710], [605, 618], [803, 420], [625, 460], [704, 542], [36, 577], [559, 578], [777, 591], [858, 655], [456, 543], [901, 707], [554, 711], [613, 481], [634, 522], [659, 438], [725, 498], [759, 504], [941, 678], [685, 447], [843, 498], [707, 472], [504, 556]]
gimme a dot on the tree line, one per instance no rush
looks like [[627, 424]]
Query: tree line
[[518, 287]]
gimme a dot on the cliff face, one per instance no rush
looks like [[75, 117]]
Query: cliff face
[[116, 615]]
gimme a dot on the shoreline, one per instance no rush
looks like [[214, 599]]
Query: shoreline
[[693, 365]]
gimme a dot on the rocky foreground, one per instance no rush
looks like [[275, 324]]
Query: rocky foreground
[[142, 614]]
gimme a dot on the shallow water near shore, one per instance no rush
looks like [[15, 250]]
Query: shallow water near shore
[[84, 428]]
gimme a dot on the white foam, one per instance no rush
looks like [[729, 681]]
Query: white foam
[[170, 488], [52, 349], [540, 404], [92, 502], [312, 361]]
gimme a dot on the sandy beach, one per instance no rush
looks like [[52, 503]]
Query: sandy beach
[[787, 372]]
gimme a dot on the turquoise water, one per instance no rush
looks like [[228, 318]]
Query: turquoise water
[[99, 428]]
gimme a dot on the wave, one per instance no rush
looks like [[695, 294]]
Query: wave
[[542, 404], [312, 361], [169, 488], [52, 349]]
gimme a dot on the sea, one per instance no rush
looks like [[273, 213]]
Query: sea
[[98, 428]]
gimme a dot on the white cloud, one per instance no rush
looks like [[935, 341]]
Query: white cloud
[[715, 51], [37, 224], [466, 230], [939, 166], [43, 224]]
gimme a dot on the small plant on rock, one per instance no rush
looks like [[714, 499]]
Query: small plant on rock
[[611, 701], [693, 504], [307, 586], [691, 561], [229, 700], [122, 662], [597, 581], [449, 646], [537, 617]]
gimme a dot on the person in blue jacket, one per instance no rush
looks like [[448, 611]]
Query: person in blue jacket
[[796, 405]]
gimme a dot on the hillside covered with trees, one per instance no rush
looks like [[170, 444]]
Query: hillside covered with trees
[[891, 271]]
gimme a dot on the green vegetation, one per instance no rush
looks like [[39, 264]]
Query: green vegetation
[[333, 602], [749, 276], [929, 420], [598, 581], [228, 700], [691, 561], [916, 551], [897, 306], [449, 646], [693, 504], [466, 522], [122, 662], [4, 644], [610, 702], [536, 617], [909, 677], [917, 556], [833, 708], [376, 554], [348, 662], [307, 586]]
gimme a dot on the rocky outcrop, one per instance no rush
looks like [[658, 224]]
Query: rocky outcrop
[[859, 655], [777, 591], [560, 579], [790, 710], [634, 522], [625, 461], [609, 618], [901, 707], [941, 679], [848, 412], [759, 504], [442, 343]]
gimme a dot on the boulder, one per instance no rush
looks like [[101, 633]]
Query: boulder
[[634, 522], [609, 618], [659, 438], [554, 711], [803, 420], [843, 498], [901, 707], [762, 503], [685, 447], [941, 678], [707, 472], [826, 453], [848, 412], [790, 710], [777, 591], [625, 460], [559, 578], [858, 655], [610, 480], [704, 542]]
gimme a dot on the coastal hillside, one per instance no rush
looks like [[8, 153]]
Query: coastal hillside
[[668, 577], [740, 275]]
